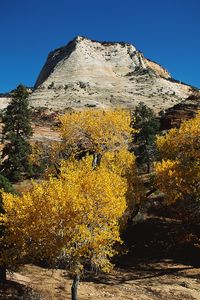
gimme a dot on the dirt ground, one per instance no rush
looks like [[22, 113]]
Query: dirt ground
[[162, 263], [145, 281]]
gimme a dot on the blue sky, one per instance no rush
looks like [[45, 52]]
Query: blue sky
[[166, 31]]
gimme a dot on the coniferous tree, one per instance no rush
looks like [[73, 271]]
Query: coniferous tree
[[147, 124], [16, 132]]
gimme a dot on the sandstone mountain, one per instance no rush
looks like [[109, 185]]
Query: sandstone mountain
[[87, 73]]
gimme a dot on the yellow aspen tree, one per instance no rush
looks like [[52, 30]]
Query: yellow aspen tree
[[89, 131], [178, 174], [95, 130], [103, 133], [74, 217]]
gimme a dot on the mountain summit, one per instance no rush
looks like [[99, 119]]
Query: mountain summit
[[88, 73]]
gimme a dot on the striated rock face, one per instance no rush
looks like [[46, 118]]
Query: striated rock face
[[87, 73], [180, 112]]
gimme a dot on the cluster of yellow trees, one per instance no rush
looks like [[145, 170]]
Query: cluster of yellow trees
[[178, 174], [75, 216]]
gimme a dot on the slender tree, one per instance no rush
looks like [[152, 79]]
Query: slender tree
[[16, 132]]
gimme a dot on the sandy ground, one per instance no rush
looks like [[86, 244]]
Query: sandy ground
[[150, 281]]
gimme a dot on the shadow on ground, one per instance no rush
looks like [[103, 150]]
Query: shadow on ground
[[15, 291], [156, 247]]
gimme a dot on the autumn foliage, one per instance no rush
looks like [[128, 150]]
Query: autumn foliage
[[95, 130], [178, 174], [75, 217]]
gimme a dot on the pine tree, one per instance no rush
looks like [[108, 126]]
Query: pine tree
[[16, 132], [147, 124]]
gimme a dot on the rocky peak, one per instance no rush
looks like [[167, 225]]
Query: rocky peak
[[89, 73], [106, 52]]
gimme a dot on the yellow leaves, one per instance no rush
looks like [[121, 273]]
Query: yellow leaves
[[83, 206], [37, 152], [83, 132], [166, 166], [178, 174], [77, 214], [183, 141], [95, 129], [119, 161]]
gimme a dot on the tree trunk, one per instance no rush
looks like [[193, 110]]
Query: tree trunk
[[74, 287], [148, 167], [96, 160], [2, 273]]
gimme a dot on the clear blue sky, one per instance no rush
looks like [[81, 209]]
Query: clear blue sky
[[166, 31]]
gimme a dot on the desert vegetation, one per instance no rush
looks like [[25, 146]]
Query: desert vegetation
[[109, 167]]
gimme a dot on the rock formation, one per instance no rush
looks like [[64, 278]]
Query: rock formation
[[87, 73], [180, 112]]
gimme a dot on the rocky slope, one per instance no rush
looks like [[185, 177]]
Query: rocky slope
[[87, 73]]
